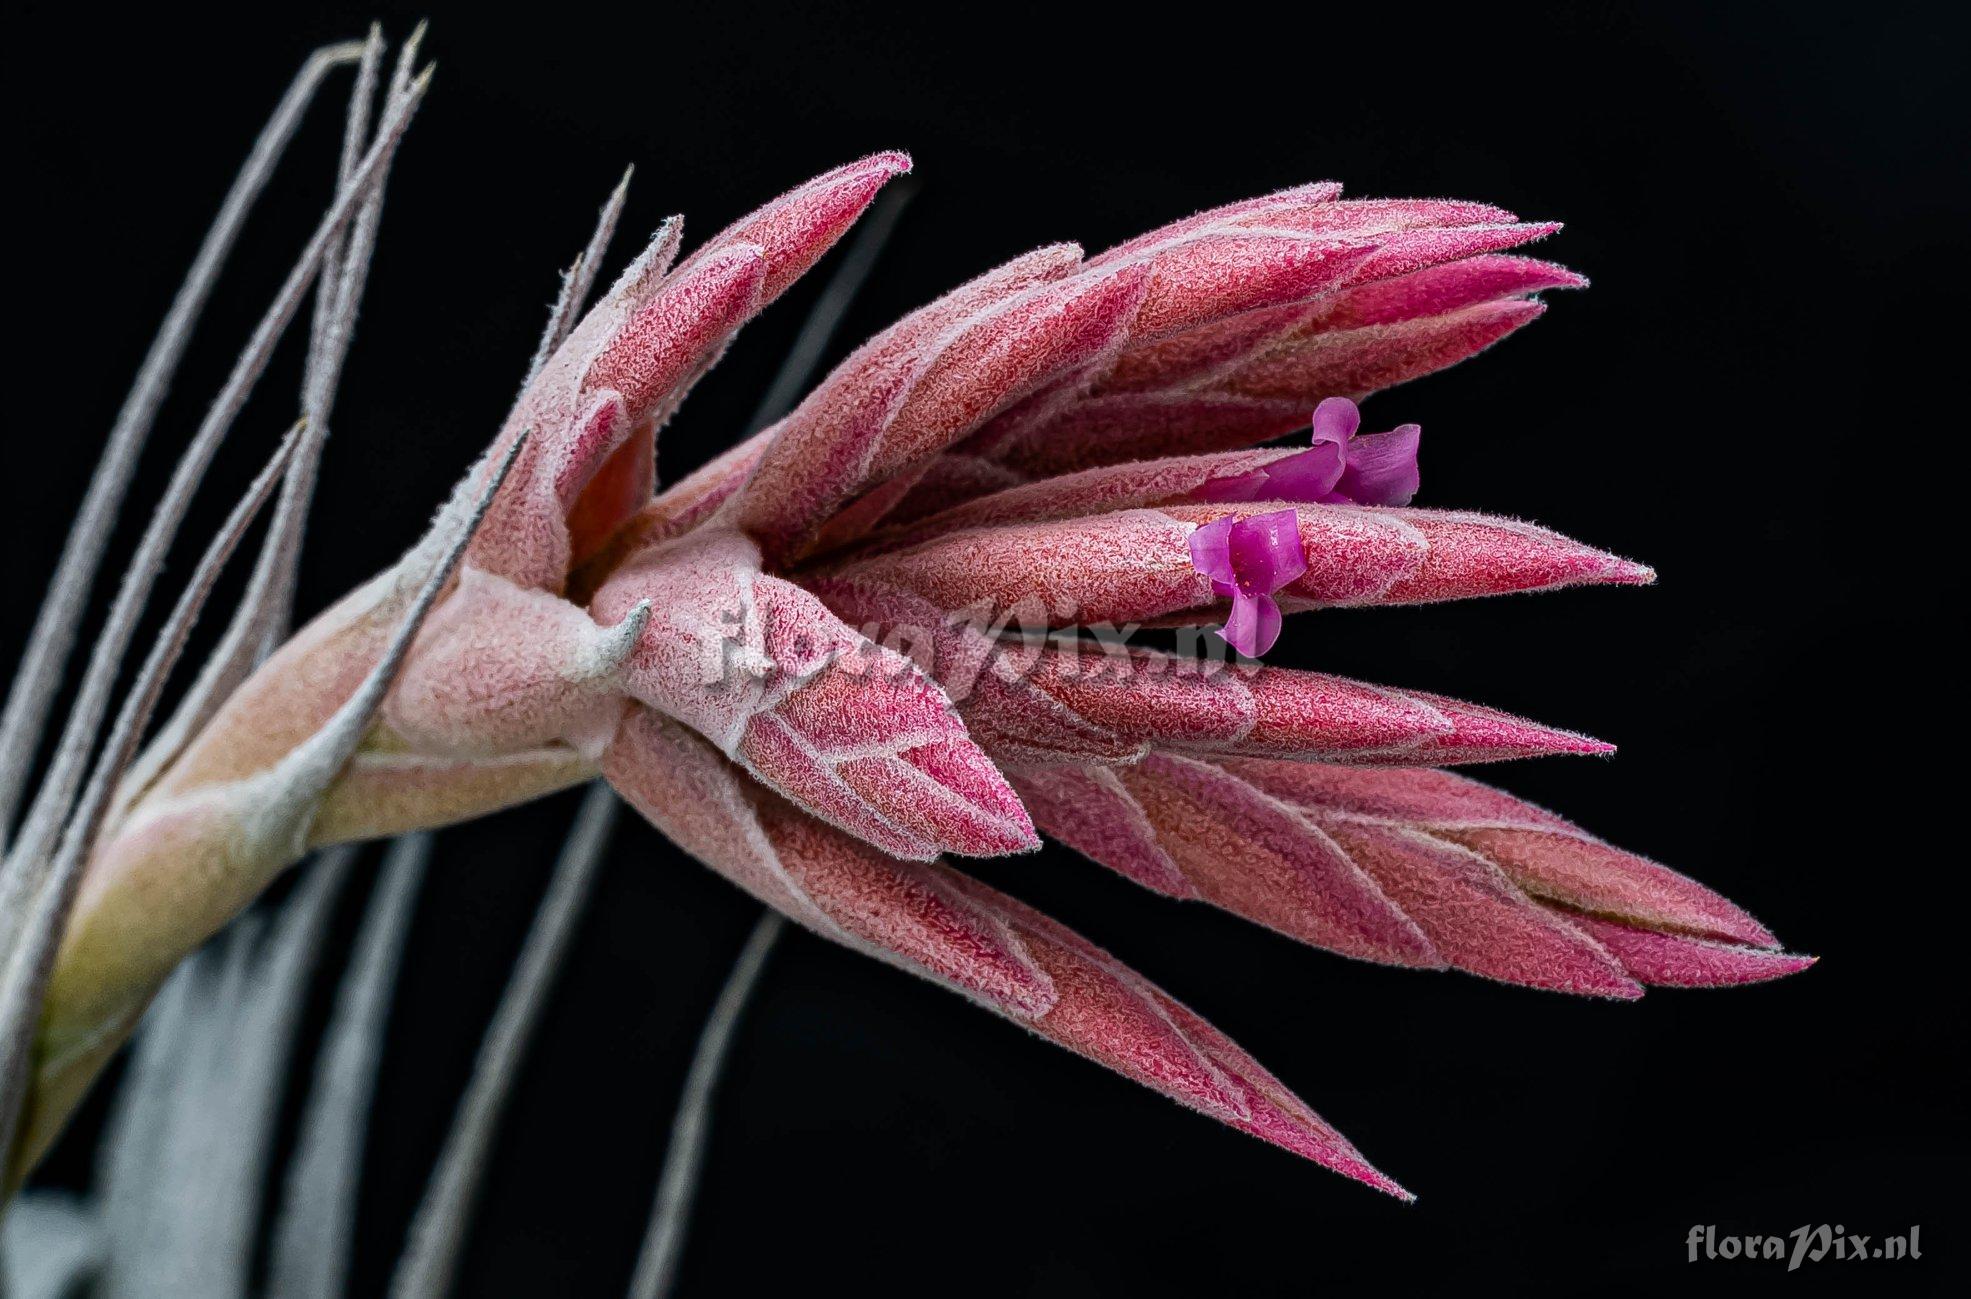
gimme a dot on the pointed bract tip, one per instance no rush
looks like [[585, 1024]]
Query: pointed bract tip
[[1665, 959], [612, 646], [1478, 733], [1626, 572], [1560, 743], [1396, 1189], [1338, 1154], [871, 170], [1313, 191], [631, 628], [1362, 1171], [1733, 968], [1012, 841], [1474, 554]]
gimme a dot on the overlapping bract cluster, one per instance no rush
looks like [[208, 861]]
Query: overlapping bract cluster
[[800, 661], [1408, 866], [938, 922]]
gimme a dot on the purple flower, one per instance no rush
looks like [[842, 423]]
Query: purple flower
[[1248, 559], [1339, 468]]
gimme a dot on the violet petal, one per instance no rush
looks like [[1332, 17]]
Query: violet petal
[[1239, 487], [1335, 420], [1307, 476], [1254, 625], [1265, 551], [1381, 468], [1211, 551]]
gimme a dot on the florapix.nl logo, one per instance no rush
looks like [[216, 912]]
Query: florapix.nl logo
[[1805, 1244]]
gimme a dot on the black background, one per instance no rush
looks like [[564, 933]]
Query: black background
[[1770, 202]]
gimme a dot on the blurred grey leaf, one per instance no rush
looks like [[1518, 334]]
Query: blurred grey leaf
[[185, 1161], [316, 1227], [50, 1246]]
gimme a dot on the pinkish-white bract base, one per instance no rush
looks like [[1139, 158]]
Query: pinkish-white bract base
[[1065, 436]]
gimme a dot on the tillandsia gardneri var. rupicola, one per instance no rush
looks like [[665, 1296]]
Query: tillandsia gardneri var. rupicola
[[883, 631]]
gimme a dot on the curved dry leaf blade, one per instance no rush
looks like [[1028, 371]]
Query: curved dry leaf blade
[[51, 803], [36, 678], [684, 1157], [39, 885]]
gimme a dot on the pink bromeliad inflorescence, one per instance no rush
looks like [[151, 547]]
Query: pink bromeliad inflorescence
[[778, 660]]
